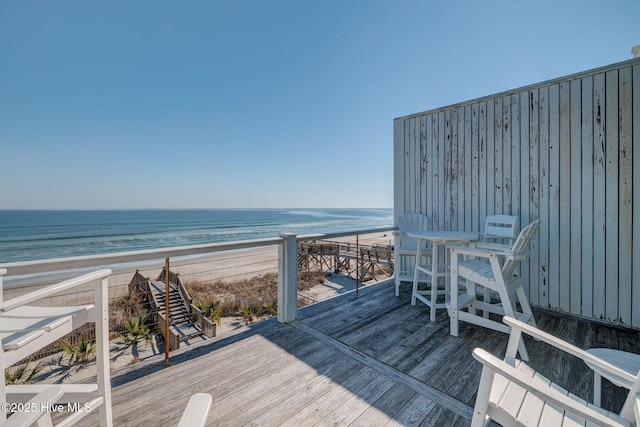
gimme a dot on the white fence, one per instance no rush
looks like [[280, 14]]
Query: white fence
[[562, 151]]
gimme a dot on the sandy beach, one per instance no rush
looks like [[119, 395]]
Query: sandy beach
[[228, 265]]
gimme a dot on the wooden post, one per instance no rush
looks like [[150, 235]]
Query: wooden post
[[288, 278], [166, 312]]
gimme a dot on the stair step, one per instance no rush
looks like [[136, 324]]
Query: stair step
[[179, 314], [194, 335]]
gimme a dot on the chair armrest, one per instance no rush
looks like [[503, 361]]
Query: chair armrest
[[518, 327], [35, 408], [544, 392], [490, 245], [485, 252], [476, 252], [197, 411], [53, 289]]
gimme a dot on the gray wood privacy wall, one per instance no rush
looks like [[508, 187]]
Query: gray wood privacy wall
[[562, 151]]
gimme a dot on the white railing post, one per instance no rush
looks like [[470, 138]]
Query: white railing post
[[3, 271], [103, 378], [288, 278]]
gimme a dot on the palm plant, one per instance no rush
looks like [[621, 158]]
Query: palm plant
[[80, 353], [136, 331], [212, 310], [74, 358], [249, 312], [272, 308], [23, 374]]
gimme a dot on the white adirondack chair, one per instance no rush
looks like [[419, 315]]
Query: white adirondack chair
[[512, 393], [482, 266], [405, 247], [628, 362], [197, 411], [26, 328], [500, 229]]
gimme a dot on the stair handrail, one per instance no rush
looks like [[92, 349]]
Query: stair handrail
[[186, 298]]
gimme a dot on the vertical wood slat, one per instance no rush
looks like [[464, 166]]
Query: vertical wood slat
[[524, 170], [530, 270], [415, 168], [598, 161], [635, 250], [561, 151], [461, 168], [432, 127], [587, 196], [506, 156], [424, 203], [495, 150], [454, 170], [576, 197], [611, 196], [407, 159], [468, 161], [482, 164], [475, 164], [625, 201], [446, 117], [543, 197], [490, 206], [565, 197], [553, 275], [442, 160], [515, 155], [429, 167]]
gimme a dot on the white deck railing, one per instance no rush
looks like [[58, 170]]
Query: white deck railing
[[45, 271]]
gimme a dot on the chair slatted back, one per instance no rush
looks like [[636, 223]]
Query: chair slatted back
[[409, 222], [520, 247], [501, 227]]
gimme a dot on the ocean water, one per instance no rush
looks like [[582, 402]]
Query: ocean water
[[35, 235]]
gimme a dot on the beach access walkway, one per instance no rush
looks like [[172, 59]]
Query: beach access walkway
[[367, 360]]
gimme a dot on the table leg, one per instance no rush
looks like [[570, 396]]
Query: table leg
[[453, 302], [434, 281], [414, 289]]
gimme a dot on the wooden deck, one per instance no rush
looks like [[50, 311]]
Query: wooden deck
[[372, 360]]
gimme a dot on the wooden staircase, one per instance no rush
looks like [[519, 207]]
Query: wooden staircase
[[180, 319]]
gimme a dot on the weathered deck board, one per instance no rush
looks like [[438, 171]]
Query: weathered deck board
[[317, 410], [372, 360], [254, 401]]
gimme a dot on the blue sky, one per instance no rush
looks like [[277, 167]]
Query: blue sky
[[214, 104]]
